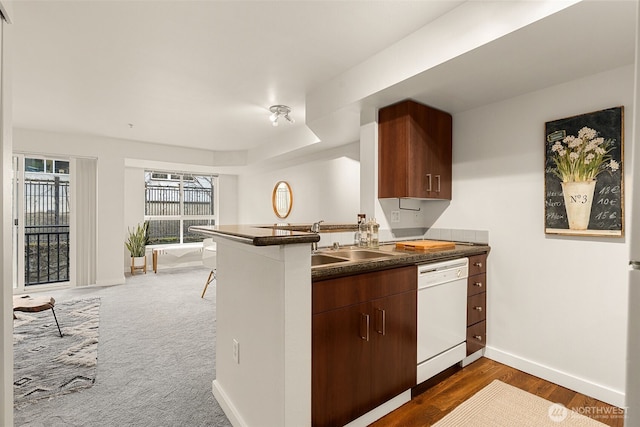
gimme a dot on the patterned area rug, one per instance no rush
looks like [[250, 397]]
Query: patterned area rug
[[46, 365]]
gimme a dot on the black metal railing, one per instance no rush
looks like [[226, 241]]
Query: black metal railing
[[165, 200], [46, 229], [46, 254]]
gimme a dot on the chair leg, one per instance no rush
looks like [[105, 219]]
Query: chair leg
[[212, 276], [57, 324]]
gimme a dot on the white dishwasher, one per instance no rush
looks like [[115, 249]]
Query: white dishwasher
[[442, 316]]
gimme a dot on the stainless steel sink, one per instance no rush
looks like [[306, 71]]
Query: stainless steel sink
[[321, 259], [359, 254]]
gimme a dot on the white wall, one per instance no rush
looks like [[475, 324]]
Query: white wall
[[325, 186], [557, 306], [228, 199], [118, 206], [6, 259]]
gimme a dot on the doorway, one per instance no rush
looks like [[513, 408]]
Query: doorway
[[41, 222]]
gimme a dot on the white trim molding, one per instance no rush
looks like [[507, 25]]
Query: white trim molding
[[564, 379]]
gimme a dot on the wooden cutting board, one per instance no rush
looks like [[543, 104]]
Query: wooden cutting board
[[426, 245]]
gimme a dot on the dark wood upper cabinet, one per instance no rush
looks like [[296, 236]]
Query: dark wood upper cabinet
[[414, 151]]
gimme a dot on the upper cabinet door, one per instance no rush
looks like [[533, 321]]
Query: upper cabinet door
[[414, 151]]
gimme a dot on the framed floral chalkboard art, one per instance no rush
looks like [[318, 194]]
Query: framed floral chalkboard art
[[584, 177]]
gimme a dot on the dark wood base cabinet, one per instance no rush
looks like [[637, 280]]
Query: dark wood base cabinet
[[477, 304], [364, 343]]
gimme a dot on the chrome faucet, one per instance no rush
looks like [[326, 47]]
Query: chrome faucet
[[315, 228]]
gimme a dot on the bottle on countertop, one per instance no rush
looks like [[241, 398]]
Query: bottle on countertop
[[362, 235], [374, 228]]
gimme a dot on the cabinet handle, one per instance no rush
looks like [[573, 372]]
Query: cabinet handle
[[479, 308], [478, 264], [382, 328], [429, 182], [364, 320], [438, 178], [478, 337], [478, 284]]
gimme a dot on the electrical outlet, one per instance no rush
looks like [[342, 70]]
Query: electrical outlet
[[416, 217], [236, 351], [395, 216]]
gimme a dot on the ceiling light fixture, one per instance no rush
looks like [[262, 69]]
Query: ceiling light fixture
[[278, 111]]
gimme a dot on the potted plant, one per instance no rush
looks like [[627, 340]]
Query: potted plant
[[136, 244]]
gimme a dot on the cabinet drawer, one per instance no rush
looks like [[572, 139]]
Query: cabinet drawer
[[476, 337], [476, 284], [477, 264], [476, 308], [340, 292]]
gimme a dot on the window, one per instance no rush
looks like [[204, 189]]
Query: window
[[175, 201], [46, 165]]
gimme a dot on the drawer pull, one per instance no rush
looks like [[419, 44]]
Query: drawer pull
[[478, 284], [478, 337], [364, 322], [478, 264], [381, 327], [479, 308]]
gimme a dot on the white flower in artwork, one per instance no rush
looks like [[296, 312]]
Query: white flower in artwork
[[583, 157], [587, 133], [572, 141]]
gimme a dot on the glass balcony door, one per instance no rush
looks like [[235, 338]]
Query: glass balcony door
[[41, 221]]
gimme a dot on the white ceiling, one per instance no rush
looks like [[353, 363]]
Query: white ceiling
[[191, 73], [203, 73]]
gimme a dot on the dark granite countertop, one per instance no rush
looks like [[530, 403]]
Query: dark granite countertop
[[324, 227], [257, 235], [269, 235], [395, 258]]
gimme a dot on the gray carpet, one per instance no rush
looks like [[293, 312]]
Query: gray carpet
[[45, 364], [156, 357]]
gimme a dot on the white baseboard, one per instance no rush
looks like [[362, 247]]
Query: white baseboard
[[227, 406], [591, 389], [382, 410], [111, 281]]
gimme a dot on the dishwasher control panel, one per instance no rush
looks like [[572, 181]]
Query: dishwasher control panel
[[442, 272]]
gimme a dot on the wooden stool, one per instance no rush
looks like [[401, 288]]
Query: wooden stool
[[35, 304]]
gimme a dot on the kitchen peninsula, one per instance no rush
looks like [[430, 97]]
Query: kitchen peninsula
[[264, 322]]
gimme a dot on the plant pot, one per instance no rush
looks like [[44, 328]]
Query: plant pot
[[138, 263], [578, 198]]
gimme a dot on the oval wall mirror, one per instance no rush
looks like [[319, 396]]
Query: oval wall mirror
[[282, 199]]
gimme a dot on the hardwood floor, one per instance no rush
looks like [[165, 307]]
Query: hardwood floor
[[437, 401]]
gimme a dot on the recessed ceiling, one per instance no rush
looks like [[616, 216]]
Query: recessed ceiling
[[191, 73], [548, 52]]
